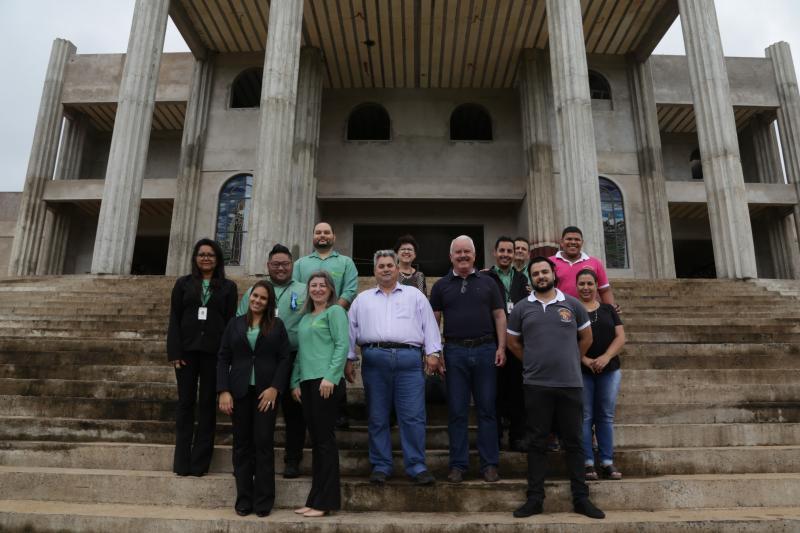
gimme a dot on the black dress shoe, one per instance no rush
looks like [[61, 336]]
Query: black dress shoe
[[377, 478], [243, 512], [529, 508], [291, 471], [587, 508], [262, 514], [424, 478]]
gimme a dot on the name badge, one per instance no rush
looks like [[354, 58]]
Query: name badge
[[509, 307], [276, 311], [202, 313]]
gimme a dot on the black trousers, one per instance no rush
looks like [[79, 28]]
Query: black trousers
[[253, 453], [295, 426], [193, 448], [320, 415], [564, 406], [510, 399]]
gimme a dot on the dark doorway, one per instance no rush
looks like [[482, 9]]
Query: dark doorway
[[434, 244], [694, 259], [150, 256]]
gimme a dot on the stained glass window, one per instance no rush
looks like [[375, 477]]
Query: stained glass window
[[614, 229], [234, 210]]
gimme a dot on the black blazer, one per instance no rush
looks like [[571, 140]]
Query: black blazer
[[517, 291], [186, 333], [236, 359]]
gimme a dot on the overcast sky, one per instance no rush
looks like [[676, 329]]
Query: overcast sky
[[28, 27]]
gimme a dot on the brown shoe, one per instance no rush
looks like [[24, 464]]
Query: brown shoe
[[490, 475], [455, 476]]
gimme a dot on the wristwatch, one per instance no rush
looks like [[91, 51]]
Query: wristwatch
[[437, 355]]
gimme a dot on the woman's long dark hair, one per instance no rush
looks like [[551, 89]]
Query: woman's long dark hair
[[219, 270], [268, 317]]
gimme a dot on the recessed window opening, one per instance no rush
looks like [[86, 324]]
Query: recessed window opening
[[369, 122], [696, 165], [599, 89], [612, 209], [246, 89], [470, 122]]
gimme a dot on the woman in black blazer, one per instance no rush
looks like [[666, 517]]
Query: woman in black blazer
[[202, 305], [253, 367]]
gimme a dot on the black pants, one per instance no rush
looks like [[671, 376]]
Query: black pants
[[253, 453], [193, 448], [295, 426], [564, 406], [510, 399], [320, 415]]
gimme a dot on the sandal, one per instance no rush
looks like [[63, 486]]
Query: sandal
[[611, 472], [590, 474]]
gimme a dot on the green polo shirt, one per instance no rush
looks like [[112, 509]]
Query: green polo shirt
[[524, 271], [340, 267], [324, 341], [506, 279], [291, 298]]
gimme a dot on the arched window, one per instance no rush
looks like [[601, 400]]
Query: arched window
[[470, 122], [614, 228], [232, 215], [696, 165], [599, 89], [369, 122], [246, 89]]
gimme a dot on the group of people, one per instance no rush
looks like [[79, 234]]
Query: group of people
[[534, 342]]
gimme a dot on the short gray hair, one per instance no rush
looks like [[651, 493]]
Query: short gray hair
[[383, 253], [462, 237]]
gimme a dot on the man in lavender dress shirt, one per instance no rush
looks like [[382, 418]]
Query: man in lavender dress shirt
[[394, 326]]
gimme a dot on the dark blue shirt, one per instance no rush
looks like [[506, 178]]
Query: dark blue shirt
[[467, 304]]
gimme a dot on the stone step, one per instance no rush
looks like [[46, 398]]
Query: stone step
[[632, 462], [58, 516], [54, 344], [704, 349], [217, 490], [97, 334], [720, 361]]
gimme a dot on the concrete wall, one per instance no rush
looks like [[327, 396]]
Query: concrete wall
[[163, 155], [9, 208]]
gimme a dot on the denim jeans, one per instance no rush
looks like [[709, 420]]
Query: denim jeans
[[471, 371], [599, 403], [395, 376]]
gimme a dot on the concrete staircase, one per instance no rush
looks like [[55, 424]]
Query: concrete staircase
[[708, 432]]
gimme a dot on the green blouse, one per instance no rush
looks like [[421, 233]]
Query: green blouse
[[323, 343], [252, 337]]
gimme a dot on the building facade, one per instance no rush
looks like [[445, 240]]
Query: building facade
[[512, 117]]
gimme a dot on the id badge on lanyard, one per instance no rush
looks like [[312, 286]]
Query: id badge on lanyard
[[202, 313], [509, 307]]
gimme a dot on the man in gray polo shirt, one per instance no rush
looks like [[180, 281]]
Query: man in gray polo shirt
[[550, 332]]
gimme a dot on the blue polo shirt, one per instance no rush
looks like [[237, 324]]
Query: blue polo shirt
[[467, 304]]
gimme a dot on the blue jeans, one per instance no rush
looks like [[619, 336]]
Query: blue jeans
[[395, 376], [599, 403], [471, 371]]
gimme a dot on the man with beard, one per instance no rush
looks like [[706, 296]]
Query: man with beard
[[345, 278], [290, 296], [542, 333]]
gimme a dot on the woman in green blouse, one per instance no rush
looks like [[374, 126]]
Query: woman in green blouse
[[323, 339]]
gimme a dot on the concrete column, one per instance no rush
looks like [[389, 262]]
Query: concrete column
[[729, 217], [651, 170], [536, 100], [765, 142], [270, 217], [119, 211], [41, 164], [185, 206], [578, 188], [57, 223], [303, 200]]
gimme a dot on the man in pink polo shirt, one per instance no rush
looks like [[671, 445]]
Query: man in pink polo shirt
[[570, 260]]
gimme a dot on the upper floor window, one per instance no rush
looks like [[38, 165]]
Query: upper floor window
[[696, 165], [369, 122], [246, 89], [599, 89], [470, 122], [614, 227], [232, 215]]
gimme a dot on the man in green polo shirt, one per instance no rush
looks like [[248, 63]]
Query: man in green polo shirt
[[290, 296], [345, 278]]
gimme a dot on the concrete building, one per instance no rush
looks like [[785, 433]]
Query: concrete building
[[435, 118]]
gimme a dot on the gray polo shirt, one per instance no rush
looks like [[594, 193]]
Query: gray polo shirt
[[551, 357]]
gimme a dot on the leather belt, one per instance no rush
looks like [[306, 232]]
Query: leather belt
[[471, 343], [390, 346]]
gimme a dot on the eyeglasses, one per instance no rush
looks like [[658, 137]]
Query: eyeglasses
[[206, 256], [463, 286], [282, 264]]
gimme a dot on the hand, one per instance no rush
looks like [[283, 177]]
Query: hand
[[432, 365], [226, 403], [296, 394], [528, 288], [266, 400], [600, 363], [179, 363], [500, 357], [325, 388], [587, 362], [617, 308], [350, 371]]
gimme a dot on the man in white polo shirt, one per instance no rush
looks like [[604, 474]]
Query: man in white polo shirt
[[550, 333]]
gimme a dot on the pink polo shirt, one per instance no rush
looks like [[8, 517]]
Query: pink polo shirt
[[566, 272]]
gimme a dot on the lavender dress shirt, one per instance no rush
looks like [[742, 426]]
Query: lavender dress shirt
[[403, 316]]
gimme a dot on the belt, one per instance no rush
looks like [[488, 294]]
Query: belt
[[390, 345], [471, 343]]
